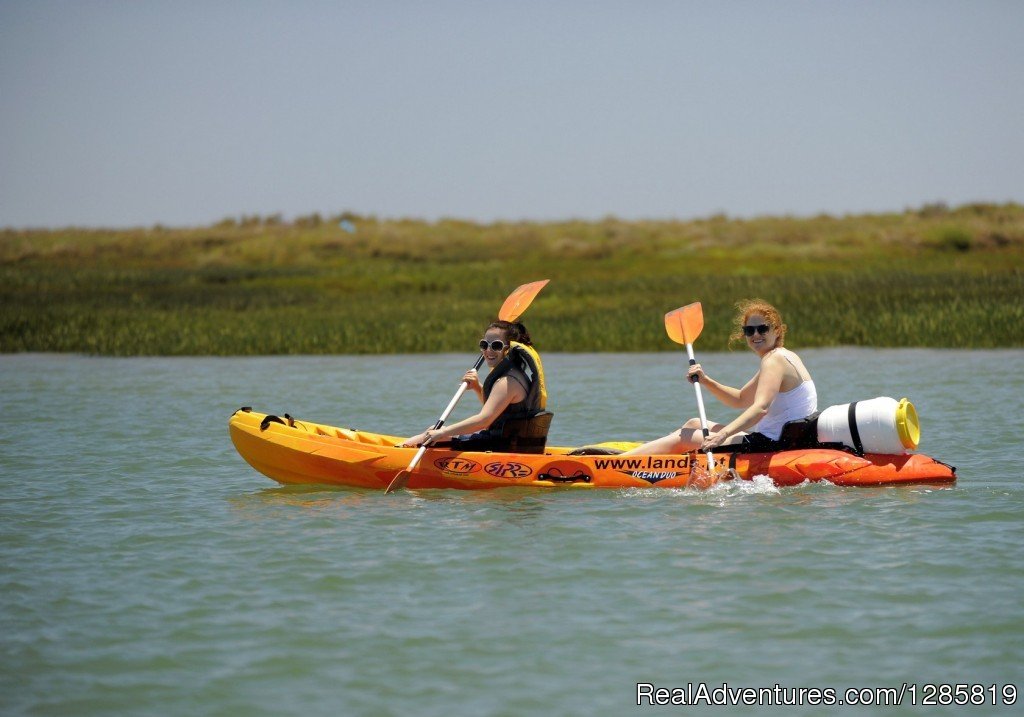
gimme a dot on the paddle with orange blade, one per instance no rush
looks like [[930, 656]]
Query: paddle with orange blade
[[516, 303], [684, 326]]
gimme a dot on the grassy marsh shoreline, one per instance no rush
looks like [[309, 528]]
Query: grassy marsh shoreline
[[934, 277]]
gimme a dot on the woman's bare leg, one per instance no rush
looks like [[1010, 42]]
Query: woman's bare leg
[[687, 438]]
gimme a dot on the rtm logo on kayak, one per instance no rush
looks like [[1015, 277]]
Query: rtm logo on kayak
[[457, 466], [508, 469]]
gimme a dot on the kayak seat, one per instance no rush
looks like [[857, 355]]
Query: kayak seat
[[801, 433], [528, 434]]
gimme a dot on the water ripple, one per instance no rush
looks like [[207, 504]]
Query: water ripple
[[148, 570]]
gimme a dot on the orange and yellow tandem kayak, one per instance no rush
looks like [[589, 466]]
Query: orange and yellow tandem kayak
[[293, 451]]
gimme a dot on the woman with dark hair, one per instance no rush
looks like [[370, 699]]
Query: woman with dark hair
[[512, 395], [781, 391]]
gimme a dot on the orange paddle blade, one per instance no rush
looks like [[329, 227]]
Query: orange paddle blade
[[398, 482], [520, 299], [685, 324]]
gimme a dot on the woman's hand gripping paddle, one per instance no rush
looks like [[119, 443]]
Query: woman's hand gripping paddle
[[516, 303], [684, 326]]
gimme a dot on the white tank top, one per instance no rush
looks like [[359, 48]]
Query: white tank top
[[792, 405]]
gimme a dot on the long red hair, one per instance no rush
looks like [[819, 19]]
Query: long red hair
[[746, 308]]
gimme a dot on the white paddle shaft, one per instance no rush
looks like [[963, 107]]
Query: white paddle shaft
[[700, 405], [440, 422], [514, 306], [451, 405]]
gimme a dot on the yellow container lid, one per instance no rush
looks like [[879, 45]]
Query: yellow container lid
[[908, 425]]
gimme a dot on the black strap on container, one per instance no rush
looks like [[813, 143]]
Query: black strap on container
[[851, 417]]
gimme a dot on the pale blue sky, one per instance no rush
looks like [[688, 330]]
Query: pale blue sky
[[135, 113]]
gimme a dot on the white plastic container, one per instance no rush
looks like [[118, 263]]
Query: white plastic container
[[885, 425]]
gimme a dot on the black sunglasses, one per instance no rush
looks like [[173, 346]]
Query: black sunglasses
[[494, 345], [760, 328]]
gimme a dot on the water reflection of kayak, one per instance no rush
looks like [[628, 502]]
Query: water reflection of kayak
[[293, 451]]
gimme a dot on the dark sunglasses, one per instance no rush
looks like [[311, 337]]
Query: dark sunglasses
[[760, 328], [493, 345]]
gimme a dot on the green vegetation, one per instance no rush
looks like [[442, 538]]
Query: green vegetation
[[937, 277]]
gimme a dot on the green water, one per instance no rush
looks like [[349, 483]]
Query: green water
[[147, 570]]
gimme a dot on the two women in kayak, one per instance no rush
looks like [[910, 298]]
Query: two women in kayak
[[513, 396]]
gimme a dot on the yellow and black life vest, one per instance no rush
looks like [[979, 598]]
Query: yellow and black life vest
[[527, 360], [523, 426]]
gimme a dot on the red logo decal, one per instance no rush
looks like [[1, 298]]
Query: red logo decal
[[457, 466], [508, 470]]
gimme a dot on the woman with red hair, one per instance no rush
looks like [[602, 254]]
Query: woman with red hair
[[782, 390]]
